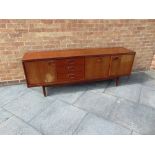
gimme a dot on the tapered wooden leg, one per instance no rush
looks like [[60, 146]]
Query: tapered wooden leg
[[117, 81], [44, 91]]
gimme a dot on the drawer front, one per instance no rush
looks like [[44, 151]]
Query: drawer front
[[70, 62], [70, 69], [70, 77]]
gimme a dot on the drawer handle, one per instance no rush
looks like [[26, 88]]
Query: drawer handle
[[72, 77], [70, 67], [71, 71], [71, 74], [71, 63]]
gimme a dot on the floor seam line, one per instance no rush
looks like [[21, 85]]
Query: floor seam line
[[102, 117], [143, 85], [111, 121], [15, 99], [119, 97], [80, 123], [6, 120], [140, 95], [107, 86], [79, 97], [74, 106], [114, 107], [23, 121], [42, 110]]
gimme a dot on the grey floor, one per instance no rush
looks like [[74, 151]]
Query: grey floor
[[94, 108]]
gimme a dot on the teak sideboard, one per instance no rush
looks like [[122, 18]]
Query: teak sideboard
[[46, 68]]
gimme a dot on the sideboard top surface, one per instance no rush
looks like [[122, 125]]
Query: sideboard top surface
[[38, 55]]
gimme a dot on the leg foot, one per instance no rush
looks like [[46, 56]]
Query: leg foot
[[117, 81], [44, 91]]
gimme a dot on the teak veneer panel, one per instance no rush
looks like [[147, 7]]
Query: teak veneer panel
[[48, 68], [40, 72], [97, 67], [114, 66], [70, 69], [126, 64]]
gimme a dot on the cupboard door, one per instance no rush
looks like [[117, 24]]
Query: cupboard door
[[40, 72], [126, 64], [96, 67], [114, 66]]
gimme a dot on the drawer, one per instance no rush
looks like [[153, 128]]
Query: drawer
[[70, 76], [70, 62], [70, 65], [70, 68]]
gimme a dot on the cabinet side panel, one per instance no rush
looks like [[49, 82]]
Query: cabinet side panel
[[126, 64], [25, 73]]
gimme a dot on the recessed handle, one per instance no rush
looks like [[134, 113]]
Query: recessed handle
[[70, 67], [116, 58], [50, 62], [99, 60]]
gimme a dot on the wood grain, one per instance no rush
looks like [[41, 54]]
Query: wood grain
[[37, 55], [39, 72], [76, 66], [97, 67]]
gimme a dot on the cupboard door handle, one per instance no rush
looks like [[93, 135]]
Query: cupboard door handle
[[99, 60], [115, 58], [71, 76], [49, 63]]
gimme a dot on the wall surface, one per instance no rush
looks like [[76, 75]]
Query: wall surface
[[19, 36], [153, 63]]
